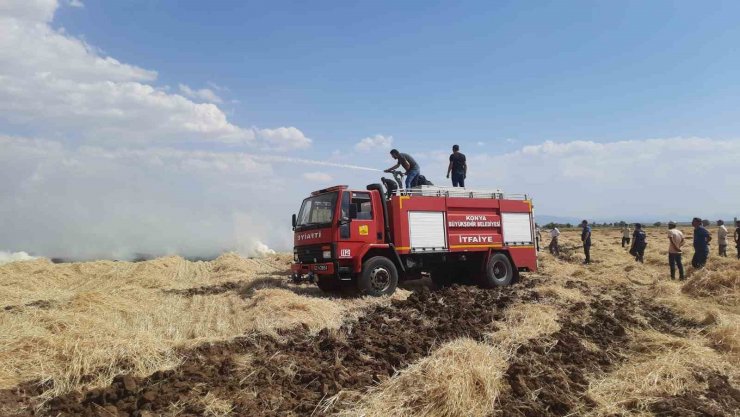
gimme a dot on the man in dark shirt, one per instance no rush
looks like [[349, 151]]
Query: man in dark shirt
[[701, 244], [586, 239], [737, 238], [639, 243], [408, 163], [458, 166]]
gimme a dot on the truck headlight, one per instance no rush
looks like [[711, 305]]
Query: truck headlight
[[327, 254], [295, 255]]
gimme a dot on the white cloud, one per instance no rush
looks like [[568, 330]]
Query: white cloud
[[317, 176], [29, 10], [284, 138], [374, 143], [54, 84], [75, 3], [203, 94], [675, 177]]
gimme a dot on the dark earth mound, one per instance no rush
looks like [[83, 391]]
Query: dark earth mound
[[290, 375], [719, 397]]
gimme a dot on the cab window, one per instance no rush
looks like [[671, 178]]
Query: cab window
[[363, 205]]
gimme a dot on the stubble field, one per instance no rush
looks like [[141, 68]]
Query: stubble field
[[232, 337]]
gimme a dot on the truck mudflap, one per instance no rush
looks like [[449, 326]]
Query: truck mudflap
[[308, 272]]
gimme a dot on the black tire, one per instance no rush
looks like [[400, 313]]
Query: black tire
[[499, 271], [379, 277], [327, 283]]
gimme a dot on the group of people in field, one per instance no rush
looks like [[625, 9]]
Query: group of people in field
[[636, 241]]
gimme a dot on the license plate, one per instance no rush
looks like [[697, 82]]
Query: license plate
[[322, 267]]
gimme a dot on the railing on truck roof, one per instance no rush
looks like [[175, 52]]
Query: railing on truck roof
[[458, 192]]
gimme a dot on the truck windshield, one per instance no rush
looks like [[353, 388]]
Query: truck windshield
[[317, 211]]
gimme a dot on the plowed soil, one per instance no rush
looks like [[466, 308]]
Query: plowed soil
[[294, 372], [290, 375]]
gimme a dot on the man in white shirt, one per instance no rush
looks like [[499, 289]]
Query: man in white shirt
[[722, 238], [554, 233], [675, 241], [626, 235]]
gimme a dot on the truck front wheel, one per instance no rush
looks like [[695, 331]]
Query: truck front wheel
[[499, 271], [378, 277]]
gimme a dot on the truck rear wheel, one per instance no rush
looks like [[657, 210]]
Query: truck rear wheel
[[499, 271], [379, 276]]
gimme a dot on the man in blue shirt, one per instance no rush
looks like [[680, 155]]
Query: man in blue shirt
[[701, 244], [586, 239], [639, 243]]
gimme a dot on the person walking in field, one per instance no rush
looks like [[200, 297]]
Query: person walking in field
[[586, 239], [408, 163], [722, 238], [639, 243], [737, 237], [626, 233], [675, 241], [554, 234], [701, 244], [458, 167], [537, 236]]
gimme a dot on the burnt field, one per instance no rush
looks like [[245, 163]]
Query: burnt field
[[169, 337]]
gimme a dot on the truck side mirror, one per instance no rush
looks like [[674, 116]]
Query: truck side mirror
[[295, 221]]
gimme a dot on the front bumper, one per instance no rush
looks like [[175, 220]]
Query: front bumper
[[326, 268], [308, 272]]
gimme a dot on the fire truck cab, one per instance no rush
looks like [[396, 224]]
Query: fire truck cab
[[372, 239]]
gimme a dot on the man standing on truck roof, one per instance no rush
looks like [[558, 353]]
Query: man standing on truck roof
[[701, 244], [458, 166], [586, 239], [722, 238], [675, 241], [408, 163]]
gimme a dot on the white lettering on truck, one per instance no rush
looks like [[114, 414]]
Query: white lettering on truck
[[476, 239], [474, 221], [307, 236]]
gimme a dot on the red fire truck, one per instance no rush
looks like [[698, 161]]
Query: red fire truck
[[373, 238]]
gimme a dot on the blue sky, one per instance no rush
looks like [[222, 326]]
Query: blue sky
[[443, 71], [194, 127]]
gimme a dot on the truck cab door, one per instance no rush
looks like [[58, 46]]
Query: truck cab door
[[359, 224]]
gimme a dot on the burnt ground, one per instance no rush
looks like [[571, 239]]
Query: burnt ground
[[289, 375], [719, 398], [40, 304]]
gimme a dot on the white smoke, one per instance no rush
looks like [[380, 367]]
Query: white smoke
[[7, 257]]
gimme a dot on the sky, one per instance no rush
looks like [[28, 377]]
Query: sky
[[191, 127]]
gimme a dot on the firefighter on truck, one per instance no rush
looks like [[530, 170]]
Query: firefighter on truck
[[371, 239]]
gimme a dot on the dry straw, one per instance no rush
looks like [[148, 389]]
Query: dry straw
[[461, 378], [100, 319]]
